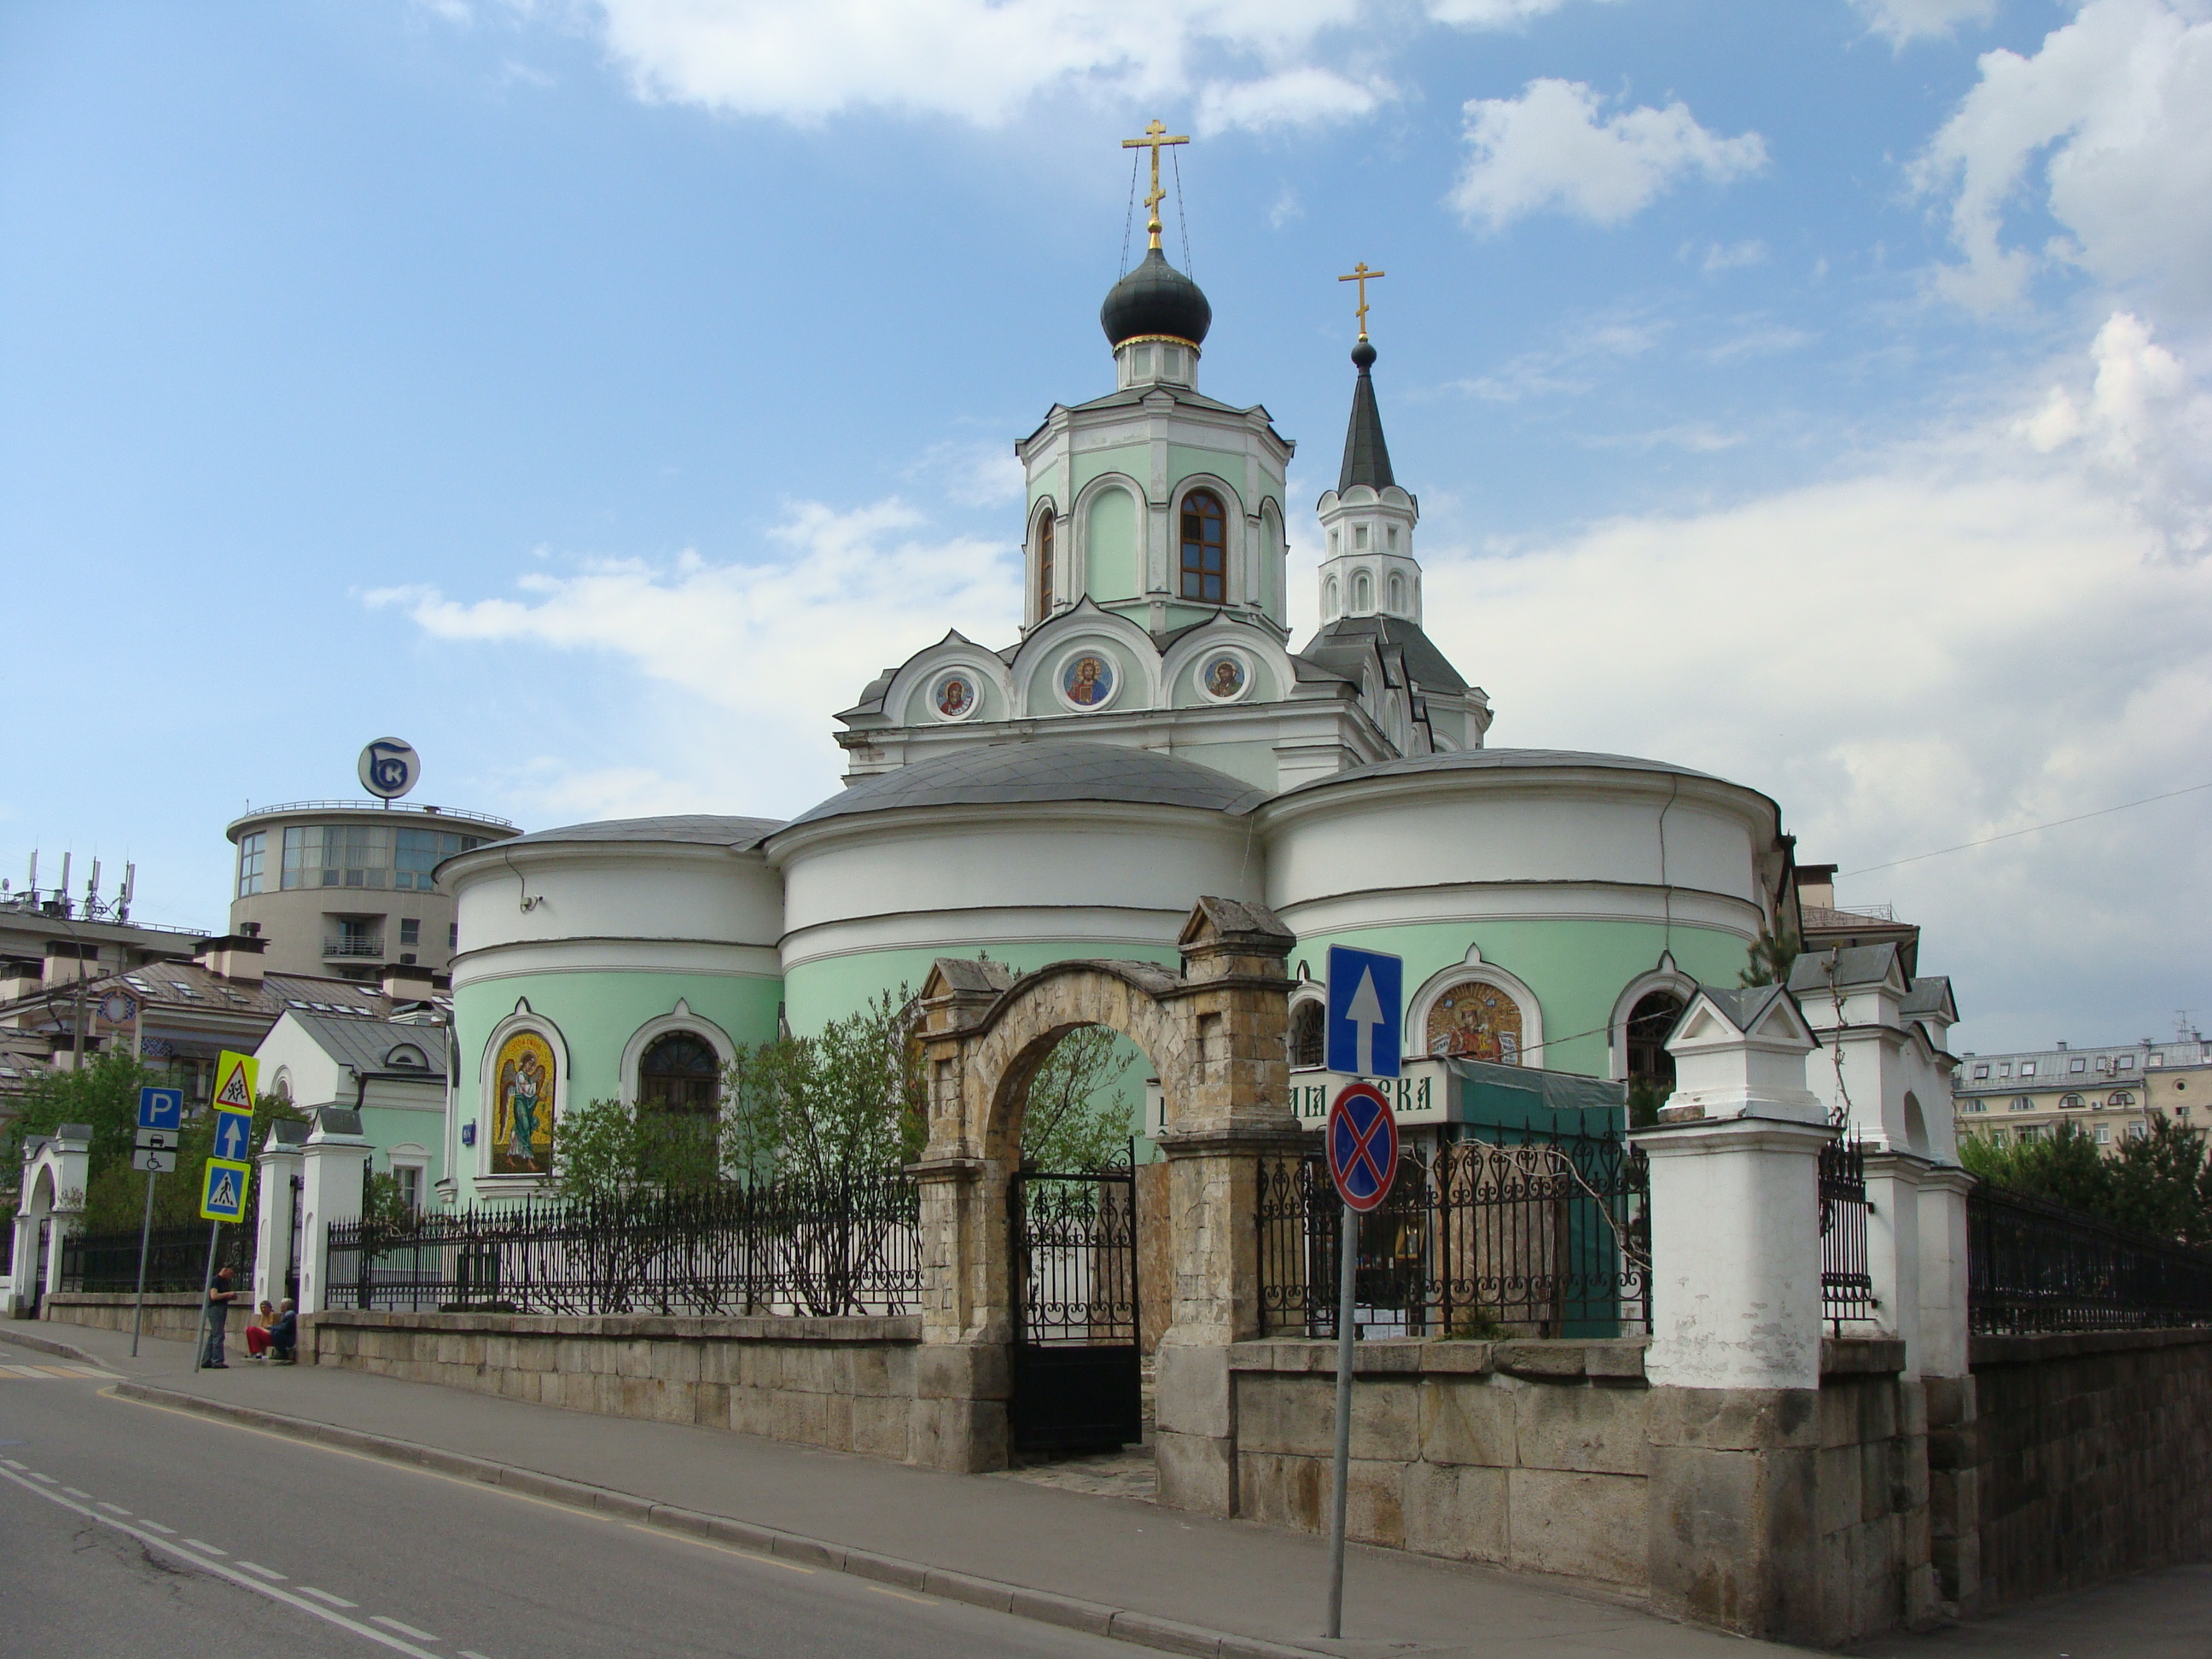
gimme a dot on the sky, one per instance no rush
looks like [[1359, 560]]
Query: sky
[[597, 395]]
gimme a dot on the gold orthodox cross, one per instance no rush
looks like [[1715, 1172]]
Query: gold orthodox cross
[[1361, 274], [1155, 135]]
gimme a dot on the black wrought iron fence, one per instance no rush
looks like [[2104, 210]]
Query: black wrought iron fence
[[787, 1247], [176, 1259], [1846, 1280], [2035, 1266], [1547, 1237]]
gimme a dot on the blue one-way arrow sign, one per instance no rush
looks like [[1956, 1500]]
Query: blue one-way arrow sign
[[1366, 1004], [233, 1133]]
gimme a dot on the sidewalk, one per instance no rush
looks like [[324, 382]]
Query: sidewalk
[[1183, 1583]]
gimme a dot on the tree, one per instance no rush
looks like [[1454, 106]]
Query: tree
[[1772, 956], [610, 1147], [1078, 1116], [846, 1102], [2065, 1168], [2157, 1183]]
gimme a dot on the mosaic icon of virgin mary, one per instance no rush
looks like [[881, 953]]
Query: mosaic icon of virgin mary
[[955, 697], [1088, 681]]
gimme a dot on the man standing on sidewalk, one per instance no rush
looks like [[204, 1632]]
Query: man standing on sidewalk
[[218, 1312]]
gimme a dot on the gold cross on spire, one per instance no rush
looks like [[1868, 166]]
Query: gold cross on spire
[[1155, 135], [1361, 274]]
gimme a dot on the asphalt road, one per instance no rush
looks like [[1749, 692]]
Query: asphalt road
[[140, 1533]]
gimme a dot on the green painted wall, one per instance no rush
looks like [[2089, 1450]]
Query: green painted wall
[[1111, 547], [1576, 968], [1133, 461], [1184, 459], [597, 1014]]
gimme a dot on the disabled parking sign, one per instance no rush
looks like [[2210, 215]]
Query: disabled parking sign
[[223, 1190]]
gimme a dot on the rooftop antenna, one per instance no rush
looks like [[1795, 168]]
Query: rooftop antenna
[[130, 891], [92, 890], [62, 891], [31, 886]]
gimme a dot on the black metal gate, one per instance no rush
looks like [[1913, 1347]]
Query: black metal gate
[[1077, 1381]]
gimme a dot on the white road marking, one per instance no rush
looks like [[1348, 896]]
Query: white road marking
[[12, 1464], [74, 1493], [113, 1509], [470, 1653], [198, 1544], [324, 1595], [157, 1527], [404, 1629], [725, 1549], [266, 1572], [48, 1479], [232, 1575]]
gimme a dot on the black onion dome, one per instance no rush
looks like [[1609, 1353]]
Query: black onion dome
[[1156, 299]]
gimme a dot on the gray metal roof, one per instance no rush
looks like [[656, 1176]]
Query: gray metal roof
[[1339, 646], [1009, 773], [1855, 964], [1501, 760], [366, 1045], [693, 828]]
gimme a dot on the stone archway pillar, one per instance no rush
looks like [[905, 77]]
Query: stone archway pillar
[[1231, 1112], [962, 1377]]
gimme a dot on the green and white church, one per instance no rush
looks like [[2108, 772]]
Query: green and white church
[[1152, 735]]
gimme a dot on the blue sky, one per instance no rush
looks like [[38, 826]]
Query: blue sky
[[597, 395]]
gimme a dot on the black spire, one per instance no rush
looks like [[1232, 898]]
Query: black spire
[[1366, 457]]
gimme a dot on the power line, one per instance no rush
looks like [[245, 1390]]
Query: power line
[[2102, 812]]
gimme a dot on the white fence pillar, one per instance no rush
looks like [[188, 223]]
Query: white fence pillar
[[332, 1164], [282, 1161], [1943, 1332]]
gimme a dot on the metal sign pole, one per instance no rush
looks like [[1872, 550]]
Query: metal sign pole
[[207, 1284], [145, 1236], [1347, 1268]]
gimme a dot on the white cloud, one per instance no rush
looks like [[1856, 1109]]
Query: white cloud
[[1903, 21], [981, 61], [1981, 630], [1735, 255], [753, 658], [1552, 147], [1490, 14], [1294, 98], [1566, 369], [2109, 116], [973, 473]]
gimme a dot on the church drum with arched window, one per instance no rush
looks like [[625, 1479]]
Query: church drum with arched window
[[679, 1087]]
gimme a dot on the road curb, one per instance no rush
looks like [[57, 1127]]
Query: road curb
[[1044, 1607], [49, 1345]]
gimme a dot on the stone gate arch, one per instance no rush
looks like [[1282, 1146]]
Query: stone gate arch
[[1217, 1036]]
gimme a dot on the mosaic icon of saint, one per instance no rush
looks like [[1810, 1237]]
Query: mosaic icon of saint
[[954, 697], [522, 1107], [1224, 677], [1476, 1021], [1090, 682]]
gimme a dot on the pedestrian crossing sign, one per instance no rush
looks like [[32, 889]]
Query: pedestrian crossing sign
[[223, 1190], [233, 1082]]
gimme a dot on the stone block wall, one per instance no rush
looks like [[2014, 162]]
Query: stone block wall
[[172, 1317], [846, 1384], [1783, 1513], [2085, 1456]]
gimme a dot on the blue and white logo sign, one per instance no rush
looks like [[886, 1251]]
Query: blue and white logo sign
[[389, 768], [160, 1108], [1366, 1006], [234, 1135]]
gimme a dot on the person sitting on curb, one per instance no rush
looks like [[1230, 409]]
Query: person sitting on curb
[[284, 1335], [256, 1333]]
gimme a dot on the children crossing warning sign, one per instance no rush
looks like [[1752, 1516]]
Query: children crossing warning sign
[[223, 1190], [233, 1082]]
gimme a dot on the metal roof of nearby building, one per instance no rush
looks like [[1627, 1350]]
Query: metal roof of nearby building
[[1502, 760], [1338, 647], [1017, 773], [367, 1045]]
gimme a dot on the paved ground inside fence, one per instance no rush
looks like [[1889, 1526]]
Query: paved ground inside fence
[[1063, 1535]]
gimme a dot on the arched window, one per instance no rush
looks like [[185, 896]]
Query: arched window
[[2120, 1097], [1476, 1021], [680, 1075], [1309, 1034], [1650, 1023], [1363, 594], [1329, 597], [1397, 592], [1205, 547], [2073, 1102], [1044, 567]]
